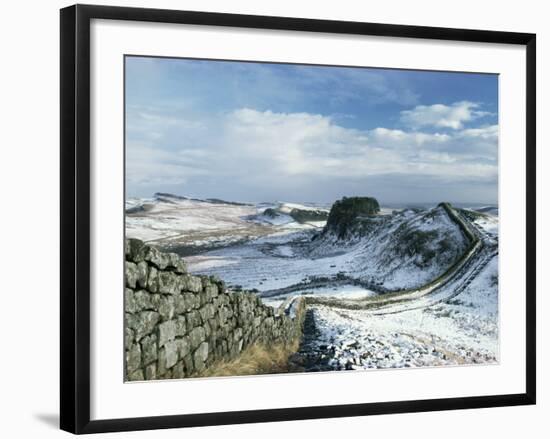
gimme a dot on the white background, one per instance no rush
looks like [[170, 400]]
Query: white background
[[29, 182], [112, 398]]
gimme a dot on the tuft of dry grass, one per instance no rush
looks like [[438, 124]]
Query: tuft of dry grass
[[256, 359]]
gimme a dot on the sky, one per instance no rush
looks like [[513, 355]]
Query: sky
[[249, 131]]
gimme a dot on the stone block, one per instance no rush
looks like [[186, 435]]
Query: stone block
[[176, 263], [181, 306], [155, 257], [133, 358], [213, 322], [184, 346], [181, 326], [129, 302], [134, 250], [210, 311], [191, 283], [136, 375], [188, 363], [149, 349], [200, 356], [142, 273], [128, 337], [196, 337], [142, 299], [168, 357], [131, 274], [152, 280], [168, 283], [237, 334], [193, 319], [207, 329], [205, 281], [167, 307], [142, 323], [189, 301], [178, 370], [167, 332], [196, 301], [151, 371]]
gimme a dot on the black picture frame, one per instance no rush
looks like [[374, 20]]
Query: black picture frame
[[75, 217]]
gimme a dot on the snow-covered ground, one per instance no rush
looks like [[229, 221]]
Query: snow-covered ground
[[171, 221], [488, 223], [167, 220], [383, 258], [262, 247], [460, 331], [346, 291]]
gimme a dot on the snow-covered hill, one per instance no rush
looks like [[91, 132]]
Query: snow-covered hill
[[177, 222], [287, 213], [384, 252], [169, 220], [402, 250]]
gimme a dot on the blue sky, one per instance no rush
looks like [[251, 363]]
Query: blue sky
[[259, 132]]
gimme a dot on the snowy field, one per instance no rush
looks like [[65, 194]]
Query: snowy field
[[262, 247], [463, 330]]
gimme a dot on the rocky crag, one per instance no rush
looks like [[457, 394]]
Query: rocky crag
[[177, 324], [347, 211]]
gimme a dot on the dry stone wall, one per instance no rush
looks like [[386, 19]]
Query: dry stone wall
[[177, 324]]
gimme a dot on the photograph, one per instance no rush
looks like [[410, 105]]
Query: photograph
[[289, 218]]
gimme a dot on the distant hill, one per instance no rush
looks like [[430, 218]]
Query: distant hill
[[167, 197], [284, 213], [489, 210]]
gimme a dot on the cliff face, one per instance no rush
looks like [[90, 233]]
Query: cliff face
[[176, 324], [346, 211]]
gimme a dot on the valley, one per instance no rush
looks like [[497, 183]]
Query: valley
[[385, 287]]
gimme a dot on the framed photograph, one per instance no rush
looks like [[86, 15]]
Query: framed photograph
[[286, 218]]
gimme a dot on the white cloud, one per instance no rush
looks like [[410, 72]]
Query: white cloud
[[487, 132], [261, 149], [442, 116], [291, 144], [150, 166]]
